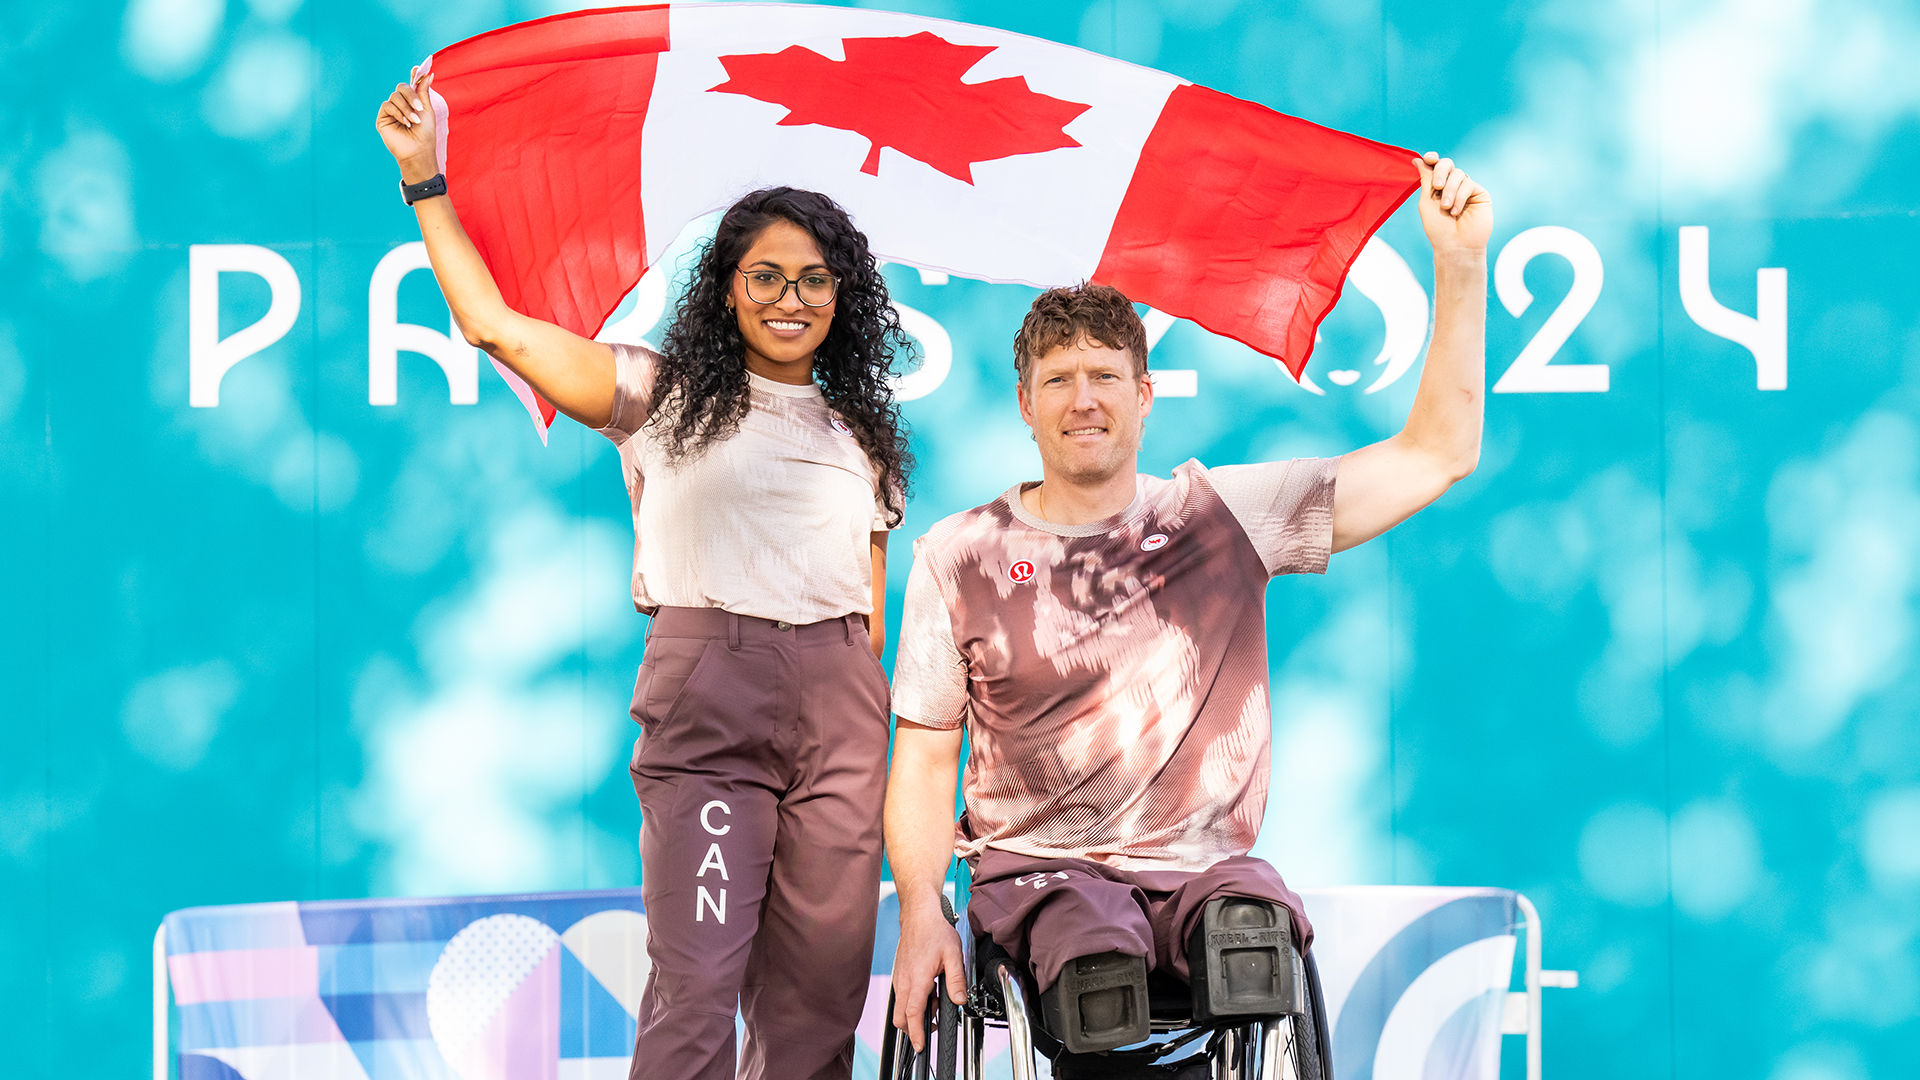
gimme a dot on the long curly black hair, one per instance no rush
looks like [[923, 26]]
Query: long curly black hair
[[701, 384]]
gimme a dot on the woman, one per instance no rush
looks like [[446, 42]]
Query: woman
[[765, 460]]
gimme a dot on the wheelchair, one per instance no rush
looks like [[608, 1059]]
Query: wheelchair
[[1285, 1046]]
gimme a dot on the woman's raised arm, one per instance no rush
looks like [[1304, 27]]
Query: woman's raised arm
[[576, 374]]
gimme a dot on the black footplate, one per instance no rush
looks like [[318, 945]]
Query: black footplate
[[1243, 961], [1098, 1003]]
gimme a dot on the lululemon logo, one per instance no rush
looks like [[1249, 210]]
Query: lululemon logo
[[840, 426], [1154, 542], [1021, 572]]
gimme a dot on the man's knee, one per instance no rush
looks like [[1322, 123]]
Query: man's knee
[[1088, 940], [1085, 922], [1047, 918], [1250, 876], [1239, 876], [1091, 905]]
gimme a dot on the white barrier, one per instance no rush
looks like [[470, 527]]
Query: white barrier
[[1416, 983]]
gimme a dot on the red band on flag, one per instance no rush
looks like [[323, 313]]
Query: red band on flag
[[1250, 236], [549, 192]]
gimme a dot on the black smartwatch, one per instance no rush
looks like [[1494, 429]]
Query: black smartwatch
[[425, 189]]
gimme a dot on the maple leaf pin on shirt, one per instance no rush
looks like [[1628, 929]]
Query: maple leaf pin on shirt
[[905, 92]]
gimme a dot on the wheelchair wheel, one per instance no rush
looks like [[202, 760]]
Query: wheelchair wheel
[[899, 1060], [890, 1045], [946, 1029], [1311, 1052], [1306, 1050]]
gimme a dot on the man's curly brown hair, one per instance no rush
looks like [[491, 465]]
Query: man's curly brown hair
[[1060, 317]]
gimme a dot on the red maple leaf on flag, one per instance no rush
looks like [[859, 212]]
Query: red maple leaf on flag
[[905, 92]]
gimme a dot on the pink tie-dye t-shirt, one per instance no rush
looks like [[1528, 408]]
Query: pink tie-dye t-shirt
[[1112, 676]]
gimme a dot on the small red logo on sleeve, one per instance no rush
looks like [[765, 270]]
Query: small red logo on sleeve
[[1021, 572], [840, 426], [1154, 542]]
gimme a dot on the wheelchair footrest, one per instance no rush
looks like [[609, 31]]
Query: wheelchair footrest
[[1243, 961], [1099, 1002]]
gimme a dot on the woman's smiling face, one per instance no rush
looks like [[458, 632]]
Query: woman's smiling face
[[781, 337]]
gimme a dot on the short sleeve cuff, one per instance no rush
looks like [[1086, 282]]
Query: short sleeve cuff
[[1310, 547], [633, 371], [1285, 508], [912, 711], [929, 673]]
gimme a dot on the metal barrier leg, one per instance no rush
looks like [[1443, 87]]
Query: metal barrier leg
[[1533, 986], [1536, 980]]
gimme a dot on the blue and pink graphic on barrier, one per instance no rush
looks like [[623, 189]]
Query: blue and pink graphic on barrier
[[548, 986]]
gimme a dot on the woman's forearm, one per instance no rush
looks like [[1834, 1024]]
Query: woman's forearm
[[574, 373], [464, 280]]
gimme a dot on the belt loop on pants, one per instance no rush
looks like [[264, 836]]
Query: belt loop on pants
[[733, 631], [848, 621]]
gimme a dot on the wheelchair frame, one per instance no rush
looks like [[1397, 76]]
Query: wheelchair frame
[[1262, 1048]]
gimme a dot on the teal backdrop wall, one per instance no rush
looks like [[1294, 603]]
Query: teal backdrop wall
[[1654, 664]]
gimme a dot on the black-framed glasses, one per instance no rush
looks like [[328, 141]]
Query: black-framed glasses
[[815, 288]]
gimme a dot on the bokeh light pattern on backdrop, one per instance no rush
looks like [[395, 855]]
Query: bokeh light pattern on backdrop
[[1654, 664]]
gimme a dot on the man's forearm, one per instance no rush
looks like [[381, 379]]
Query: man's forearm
[[919, 827], [1381, 485], [1446, 417], [919, 812]]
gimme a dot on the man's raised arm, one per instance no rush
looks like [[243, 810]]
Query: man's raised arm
[[919, 825], [1380, 486]]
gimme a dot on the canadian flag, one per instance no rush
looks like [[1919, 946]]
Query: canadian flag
[[577, 147]]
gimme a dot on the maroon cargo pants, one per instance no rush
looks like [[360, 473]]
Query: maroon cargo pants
[[761, 769], [1045, 912]]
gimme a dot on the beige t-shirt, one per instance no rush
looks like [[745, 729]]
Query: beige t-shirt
[[1112, 676], [773, 522]]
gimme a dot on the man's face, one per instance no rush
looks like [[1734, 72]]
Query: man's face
[[1086, 410]]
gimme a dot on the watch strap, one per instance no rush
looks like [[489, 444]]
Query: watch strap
[[425, 189]]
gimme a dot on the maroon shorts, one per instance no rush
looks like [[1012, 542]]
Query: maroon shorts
[[1045, 912], [761, 770]]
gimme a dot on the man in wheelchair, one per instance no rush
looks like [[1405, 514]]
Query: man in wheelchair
[[1100, 637]]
